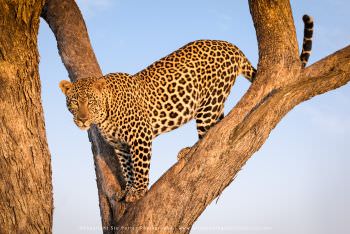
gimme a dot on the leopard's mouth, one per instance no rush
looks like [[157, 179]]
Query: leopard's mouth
[[83, 125]]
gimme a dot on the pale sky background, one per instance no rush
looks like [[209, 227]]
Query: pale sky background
[[298, 182]]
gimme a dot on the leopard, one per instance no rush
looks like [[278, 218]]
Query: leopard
[[130, 111]]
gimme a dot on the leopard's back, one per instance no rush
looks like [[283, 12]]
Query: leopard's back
[[192, 82]]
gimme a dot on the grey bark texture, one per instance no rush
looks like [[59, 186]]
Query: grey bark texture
[[25, 164], [179, 197]]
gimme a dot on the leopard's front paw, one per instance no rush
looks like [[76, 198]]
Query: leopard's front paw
[[122, 194], [132, 195], [182, 154]]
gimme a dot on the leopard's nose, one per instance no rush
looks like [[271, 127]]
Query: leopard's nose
[[83, 118]]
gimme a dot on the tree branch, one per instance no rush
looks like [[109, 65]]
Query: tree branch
[[274, 25], [337, 62], [66, 22]]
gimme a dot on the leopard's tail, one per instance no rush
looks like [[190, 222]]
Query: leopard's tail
[[307, 42]]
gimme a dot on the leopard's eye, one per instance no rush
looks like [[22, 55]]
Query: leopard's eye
[[73, 103]]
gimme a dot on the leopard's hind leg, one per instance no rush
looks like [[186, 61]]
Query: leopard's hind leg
[[206, 117]]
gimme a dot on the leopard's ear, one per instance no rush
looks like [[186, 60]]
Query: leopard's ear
[[99, 84], [65, 85]]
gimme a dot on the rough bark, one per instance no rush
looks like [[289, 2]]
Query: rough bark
[[177, 199], [25, 164], [66, 22]]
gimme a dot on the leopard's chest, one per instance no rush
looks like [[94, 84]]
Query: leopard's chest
[[110, 131]]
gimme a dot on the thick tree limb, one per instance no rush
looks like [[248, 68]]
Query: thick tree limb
[[275, 32], [66, 22]]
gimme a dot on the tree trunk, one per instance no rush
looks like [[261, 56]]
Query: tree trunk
[[25, 170], [188, 187]]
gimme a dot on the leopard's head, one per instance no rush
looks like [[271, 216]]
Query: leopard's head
[[85, 100]]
